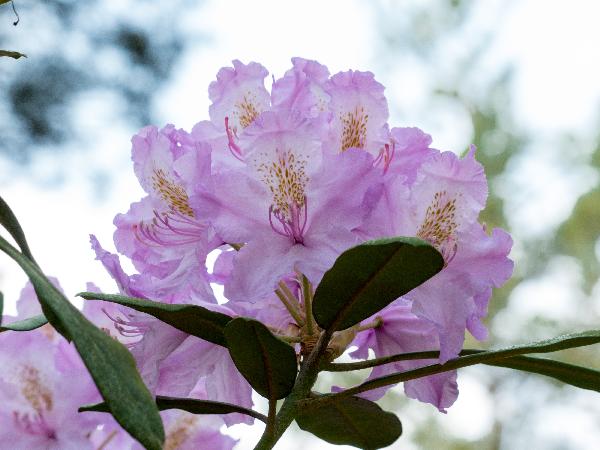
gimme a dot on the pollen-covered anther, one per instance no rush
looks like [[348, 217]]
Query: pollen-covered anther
[[354, 128], [180, 433], [173, 194], [439, 226], [245, 111], [34, 391]]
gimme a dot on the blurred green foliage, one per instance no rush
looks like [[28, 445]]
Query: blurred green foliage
[[421, 32]]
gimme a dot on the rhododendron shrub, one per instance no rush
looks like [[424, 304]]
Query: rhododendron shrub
[[333, 233]]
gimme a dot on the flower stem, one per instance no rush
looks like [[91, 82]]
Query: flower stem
[[286, 338], [290, 307], [107, 440], [307, 297], [302, 388], [375, 324]]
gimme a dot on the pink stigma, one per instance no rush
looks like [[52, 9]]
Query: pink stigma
[[233, 147], [386, 154]]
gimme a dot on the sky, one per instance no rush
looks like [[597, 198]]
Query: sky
[[554, 48]]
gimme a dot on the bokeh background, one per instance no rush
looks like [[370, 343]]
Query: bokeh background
[[520, 79]]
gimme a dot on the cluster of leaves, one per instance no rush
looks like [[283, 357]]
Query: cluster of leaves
[[362, 281]]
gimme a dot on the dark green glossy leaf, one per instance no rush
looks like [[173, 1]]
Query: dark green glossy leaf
[[191, 405], [368, 277], [192, 319], [268, 363], [110, 364], [25, 325], [577, 376], [1, 306], [9, 221], [351, 421]]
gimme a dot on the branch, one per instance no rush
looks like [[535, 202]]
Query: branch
[[547, 346], [578, 376]]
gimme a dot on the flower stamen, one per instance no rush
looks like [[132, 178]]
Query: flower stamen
[[286, 179], [235, 149]]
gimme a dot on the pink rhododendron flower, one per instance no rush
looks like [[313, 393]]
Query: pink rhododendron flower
[[277, 184], [42, 384], [163, 236]]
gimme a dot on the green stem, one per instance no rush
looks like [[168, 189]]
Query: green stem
[[271, 418], [511, 358], [302, 388], [548, 346]]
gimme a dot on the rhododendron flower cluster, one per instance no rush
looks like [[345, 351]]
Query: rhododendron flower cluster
[[278, 184], [283, 182]]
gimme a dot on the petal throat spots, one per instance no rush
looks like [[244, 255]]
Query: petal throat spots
[[34, 391], [286, 179], [354, 128], [246, 111], [175, 195], [439, 226], [180, 433]]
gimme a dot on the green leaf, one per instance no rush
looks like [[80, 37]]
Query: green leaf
[[1, 306], [25, 325], [9, 221], [110, 364], [351, 421], [191, 405], [268, 363], [2, 2], [192, 319], [577, 376], [368, 277]]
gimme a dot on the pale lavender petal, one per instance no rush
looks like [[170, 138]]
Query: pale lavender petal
[[197, 360], [239, 94], [302, 88], [403, 332], [359, 112], [411, 149]]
